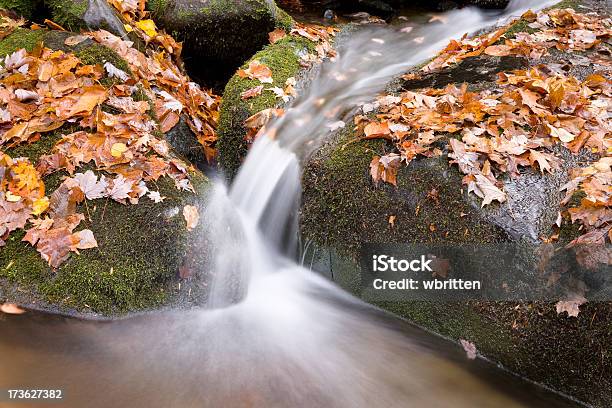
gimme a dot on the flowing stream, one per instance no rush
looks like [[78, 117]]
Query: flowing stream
[[273, 334]]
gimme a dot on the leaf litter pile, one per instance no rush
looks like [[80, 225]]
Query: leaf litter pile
[[43, 90], [494, 133]]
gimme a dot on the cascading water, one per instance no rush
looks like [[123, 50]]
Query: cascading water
[[275, 334], [265, 194]]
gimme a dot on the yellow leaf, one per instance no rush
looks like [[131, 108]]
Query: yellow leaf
[[118, 149], [40, 205], [148, 26], [128, 28]]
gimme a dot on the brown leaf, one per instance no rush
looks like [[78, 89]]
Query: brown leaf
[[276, 35], [571, 306], [257, 70], [192, 216], [251, 93], [376, 129]]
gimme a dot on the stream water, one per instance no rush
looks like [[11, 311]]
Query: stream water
[[273, 334]]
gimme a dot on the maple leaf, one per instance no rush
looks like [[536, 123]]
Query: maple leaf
[[89, 184], [148, 26], [113, 71], [571, 306], [257, 70], [156, 197], [251, 93], [191, 215], [120, 189], [489, 192], [542, 159]]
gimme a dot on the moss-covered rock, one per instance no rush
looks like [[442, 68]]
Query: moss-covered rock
[[218, 35], [70, 14], [283, 60], [342, 208], [140, 250], [75, 15], [140, 247], [24, 8]]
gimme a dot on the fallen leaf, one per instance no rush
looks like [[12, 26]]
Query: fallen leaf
[[490, 192], [376, 129], [118, 149], [277, 35], [251, 93], [148, 26], [572, 306], [470, 348], [192, 216], [11, 308], [257, 70]]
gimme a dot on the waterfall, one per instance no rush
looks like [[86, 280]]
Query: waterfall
[[264, 197]]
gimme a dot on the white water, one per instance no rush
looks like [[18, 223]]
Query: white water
[[257, 220], [284, 331]]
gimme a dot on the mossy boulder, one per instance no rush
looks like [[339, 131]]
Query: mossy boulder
[[342, 208], [144, 250], [283, 59], [24, 8], [218, 35]]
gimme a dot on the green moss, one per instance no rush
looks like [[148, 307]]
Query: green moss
[[157, 7], [282, 59], [24, 8], [69, 13], [139, 253], [340, 200], [283, 20], [99, 54], [21, 38]]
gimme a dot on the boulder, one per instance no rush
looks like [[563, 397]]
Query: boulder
[[24, 8], [342, 209], [218, 35], [145, 252]]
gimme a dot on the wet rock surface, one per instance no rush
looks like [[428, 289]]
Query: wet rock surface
[[218, 35]]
